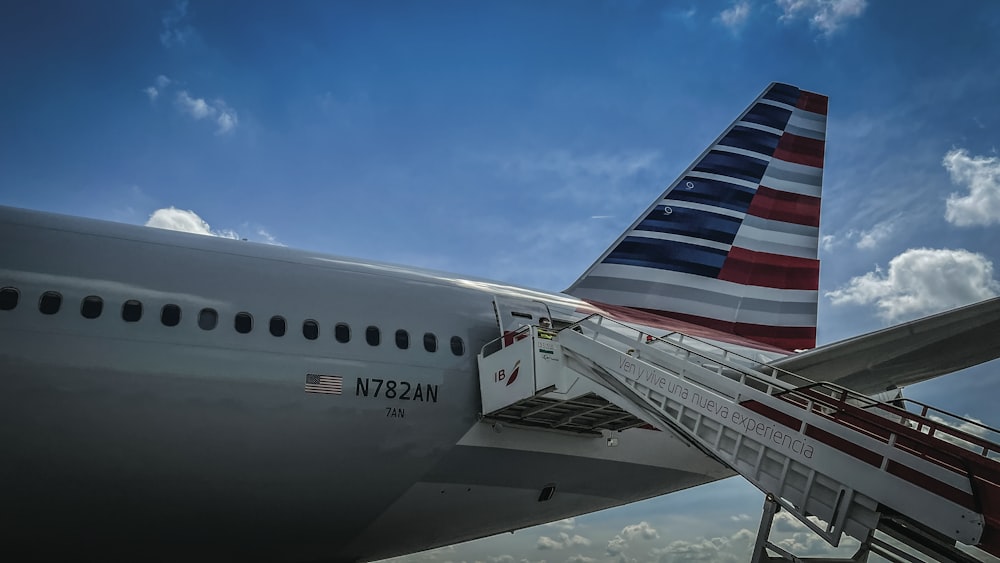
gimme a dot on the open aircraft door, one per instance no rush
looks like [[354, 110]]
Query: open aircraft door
[[514, 313]]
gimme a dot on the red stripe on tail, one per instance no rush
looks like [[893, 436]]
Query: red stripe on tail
[[764, 269], [816, 103], [785, 206], [800, 150]]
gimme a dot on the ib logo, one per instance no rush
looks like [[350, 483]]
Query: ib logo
[[501, 375]]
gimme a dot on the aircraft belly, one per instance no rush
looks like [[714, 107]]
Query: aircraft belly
[[183, 452], [491, 483]]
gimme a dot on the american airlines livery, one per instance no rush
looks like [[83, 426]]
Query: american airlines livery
[[166, 396]]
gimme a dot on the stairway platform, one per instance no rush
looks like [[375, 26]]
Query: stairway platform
[[588, 414]]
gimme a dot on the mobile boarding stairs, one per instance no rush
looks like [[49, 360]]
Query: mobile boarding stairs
[[840, 462]]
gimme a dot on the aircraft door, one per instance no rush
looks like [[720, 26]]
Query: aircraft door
[[514, 313]]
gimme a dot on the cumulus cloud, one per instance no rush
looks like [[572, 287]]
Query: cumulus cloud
[[188, 221], [641, 530], [805, 544], [980, 176], [562, 541], [825, 15], [224, 116], [616, 545], [732, 549], [785, 522], [580, 559], [173, 30], [564, 524], [921, 281], [736, 15]]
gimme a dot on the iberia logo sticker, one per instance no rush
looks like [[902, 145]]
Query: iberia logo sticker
[[513, 374]]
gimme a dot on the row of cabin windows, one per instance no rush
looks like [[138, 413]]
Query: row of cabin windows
[[170, 315]]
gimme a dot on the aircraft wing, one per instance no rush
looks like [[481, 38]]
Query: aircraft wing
[[906, 353]]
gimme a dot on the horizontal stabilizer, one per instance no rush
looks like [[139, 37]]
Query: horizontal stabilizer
[[906, 353]]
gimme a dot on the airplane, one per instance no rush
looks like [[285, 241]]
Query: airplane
[[169, 396]]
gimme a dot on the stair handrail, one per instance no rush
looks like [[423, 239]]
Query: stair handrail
[[923, 419]]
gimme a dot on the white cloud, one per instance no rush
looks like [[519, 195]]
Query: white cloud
[[564, 524], [732, 549], [740, 517], [225, 117], [563, 540], [153, 91], [546, 542], [921, 281], [188, 221], [826, 15], [268, 238], [785, 522], [641, 530], [981, 177], [862, 239], [180, 220], [736, 15], [617, 545], [198, 108], [580, 559], [869, 239], [173, 30]]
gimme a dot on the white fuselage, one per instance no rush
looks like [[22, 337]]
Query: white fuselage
[[135, 440]]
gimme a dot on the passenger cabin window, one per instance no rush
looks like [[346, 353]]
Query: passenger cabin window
[[402, 339], [457, 346], [49, 303], [430, 342], [170, 315], [208, 319], [310, 329], [91, 307], [342, 332], [243, 323], [372, 336], [277, 326], [131, 311], [8, 298]]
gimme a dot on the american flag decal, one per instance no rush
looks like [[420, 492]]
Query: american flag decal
[[326, 384]]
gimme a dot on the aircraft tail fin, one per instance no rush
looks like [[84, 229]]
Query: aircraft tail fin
[[732, 243]]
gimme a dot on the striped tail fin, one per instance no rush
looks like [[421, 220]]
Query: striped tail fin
[[732, 244]]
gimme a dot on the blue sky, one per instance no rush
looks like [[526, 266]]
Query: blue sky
[[515, 141]]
